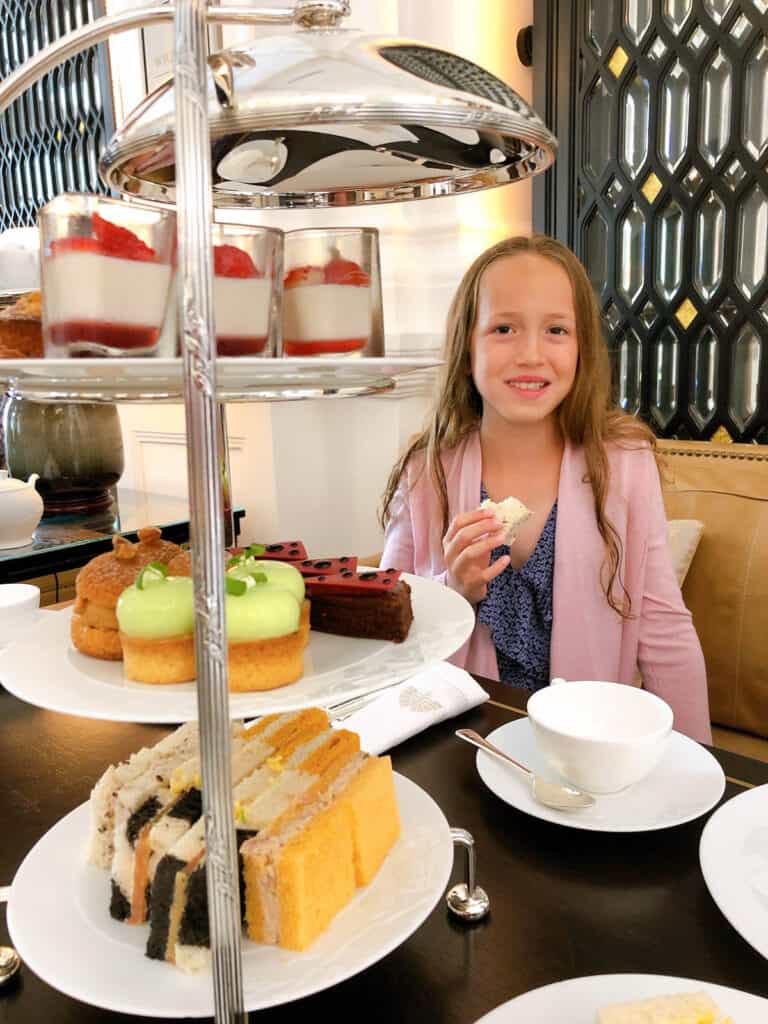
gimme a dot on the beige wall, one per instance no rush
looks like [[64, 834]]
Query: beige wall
[[316, 470]]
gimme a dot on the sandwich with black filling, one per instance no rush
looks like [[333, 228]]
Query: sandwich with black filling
[[314, 819]]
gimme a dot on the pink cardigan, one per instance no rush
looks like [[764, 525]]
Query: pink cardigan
[[589, 640]]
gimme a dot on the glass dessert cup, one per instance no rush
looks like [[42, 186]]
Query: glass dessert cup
[[247, 292], [106, 276], [247, 289], [332, 293]]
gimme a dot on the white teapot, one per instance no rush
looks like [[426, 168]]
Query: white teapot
[[21, 509]]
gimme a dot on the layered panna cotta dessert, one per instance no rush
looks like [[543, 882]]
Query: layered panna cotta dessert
[[326, 309], [104, 294], [242, 299]]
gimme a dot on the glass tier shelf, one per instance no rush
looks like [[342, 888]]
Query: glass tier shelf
[[239, 379]]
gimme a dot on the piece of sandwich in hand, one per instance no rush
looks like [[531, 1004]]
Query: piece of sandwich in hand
[[510, 512]]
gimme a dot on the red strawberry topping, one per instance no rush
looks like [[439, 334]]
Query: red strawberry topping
[[75, 245], [340, 271], [230, 261], [356, 277], [304, 275], [119, 241]]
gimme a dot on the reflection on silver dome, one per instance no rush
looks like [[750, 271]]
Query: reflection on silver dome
[[253, 162]]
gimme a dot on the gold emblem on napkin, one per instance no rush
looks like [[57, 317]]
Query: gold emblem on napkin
[[416, 700]]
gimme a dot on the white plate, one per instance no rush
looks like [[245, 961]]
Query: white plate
[[43, 668], [734, 861], [243, 378], [58, 918], [577, 1000], [687, 782]]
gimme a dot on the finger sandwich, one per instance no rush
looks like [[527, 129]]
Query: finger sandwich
[[690, 1008], [510, 512], [314, 818]]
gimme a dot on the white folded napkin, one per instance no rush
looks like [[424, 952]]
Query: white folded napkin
[[438, 692]]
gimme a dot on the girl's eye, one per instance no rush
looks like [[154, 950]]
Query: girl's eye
[[559, 331], [502, 329]]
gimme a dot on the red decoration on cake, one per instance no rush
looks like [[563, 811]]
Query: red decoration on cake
[[348, 582], [327, 566], [281, 551]]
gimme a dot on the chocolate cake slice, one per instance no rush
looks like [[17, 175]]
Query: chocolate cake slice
[[371, 605]]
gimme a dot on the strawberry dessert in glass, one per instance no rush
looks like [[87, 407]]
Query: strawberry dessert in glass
[[247, 284], [106, 276], [332, 301]]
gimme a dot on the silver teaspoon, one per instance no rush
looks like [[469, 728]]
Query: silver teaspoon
[[10, 962], [552, 794]]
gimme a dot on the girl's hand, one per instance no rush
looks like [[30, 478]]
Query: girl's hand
[[467, 547]]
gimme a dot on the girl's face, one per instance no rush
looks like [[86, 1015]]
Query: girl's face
[[524, 350]]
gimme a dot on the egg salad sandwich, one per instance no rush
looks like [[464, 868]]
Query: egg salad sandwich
[[691, 1008]]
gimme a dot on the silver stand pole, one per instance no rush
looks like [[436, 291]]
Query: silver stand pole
[[195, 215]]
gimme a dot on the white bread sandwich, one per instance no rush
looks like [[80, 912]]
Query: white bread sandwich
[[153, 811], [691, 1008], [314, 816], [313, 824], [510, 512], [171, 751]]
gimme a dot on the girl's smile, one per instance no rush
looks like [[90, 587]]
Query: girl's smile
[[528, 387]]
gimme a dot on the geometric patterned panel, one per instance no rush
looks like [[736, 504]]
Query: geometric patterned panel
[[51, 137], [669, 159]]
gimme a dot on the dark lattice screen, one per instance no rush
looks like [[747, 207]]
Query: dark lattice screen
[[51, 137], [667, 151]]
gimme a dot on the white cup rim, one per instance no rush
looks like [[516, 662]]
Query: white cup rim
[[563, 730]]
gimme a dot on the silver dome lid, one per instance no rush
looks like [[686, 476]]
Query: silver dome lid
[[323, 117]]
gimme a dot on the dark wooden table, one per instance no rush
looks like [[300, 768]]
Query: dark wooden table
[[564, 902]]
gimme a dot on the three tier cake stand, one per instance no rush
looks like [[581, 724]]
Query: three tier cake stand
[[288, 113]]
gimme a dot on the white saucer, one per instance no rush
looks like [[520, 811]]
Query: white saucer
[[734, 861], [577, 1000], [58, 918], [686, 783]]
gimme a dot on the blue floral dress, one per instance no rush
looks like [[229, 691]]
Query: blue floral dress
[[518, 612]]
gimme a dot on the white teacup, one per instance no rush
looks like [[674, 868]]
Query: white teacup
[[18, 604], [601, 737]]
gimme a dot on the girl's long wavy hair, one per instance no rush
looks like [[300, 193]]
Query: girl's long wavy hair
[[587, 416]]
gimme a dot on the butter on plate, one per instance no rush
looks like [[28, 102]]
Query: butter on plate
[[691, 1008]]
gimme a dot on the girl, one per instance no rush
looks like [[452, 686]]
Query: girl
[[587, 590]]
